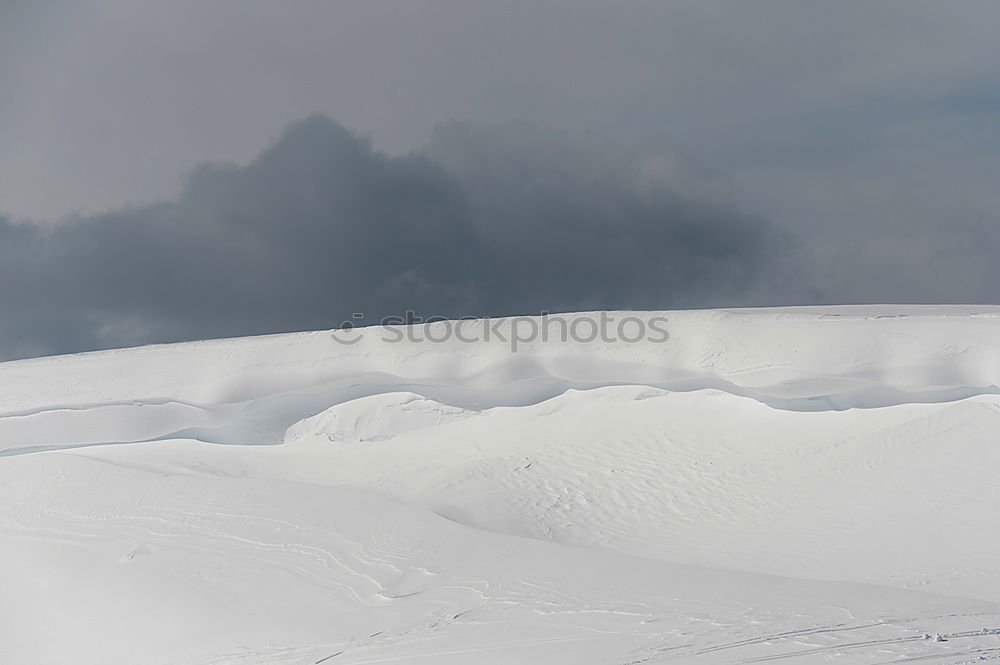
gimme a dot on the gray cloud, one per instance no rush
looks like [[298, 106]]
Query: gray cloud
[[577, 225], [106, 101], [487, 220], [864, 132]]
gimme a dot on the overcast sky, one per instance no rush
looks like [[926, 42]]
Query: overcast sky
[[485, 157]]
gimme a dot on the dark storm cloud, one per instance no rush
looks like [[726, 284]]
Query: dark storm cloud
[[494, 220], [570, 225]]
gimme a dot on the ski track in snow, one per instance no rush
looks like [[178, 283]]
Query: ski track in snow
[[802, 485]]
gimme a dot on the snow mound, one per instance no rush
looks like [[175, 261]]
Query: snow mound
[[375, 418]]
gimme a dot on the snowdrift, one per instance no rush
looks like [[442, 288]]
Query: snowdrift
[[797, 484]]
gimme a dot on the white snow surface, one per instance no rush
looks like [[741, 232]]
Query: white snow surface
[[791, 485]]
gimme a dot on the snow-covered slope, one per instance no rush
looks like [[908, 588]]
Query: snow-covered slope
[[796, 484]]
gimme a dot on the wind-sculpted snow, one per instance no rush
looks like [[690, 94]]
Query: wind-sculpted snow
[[799, 485]]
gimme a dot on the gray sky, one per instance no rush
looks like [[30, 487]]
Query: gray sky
[[773, 152]]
